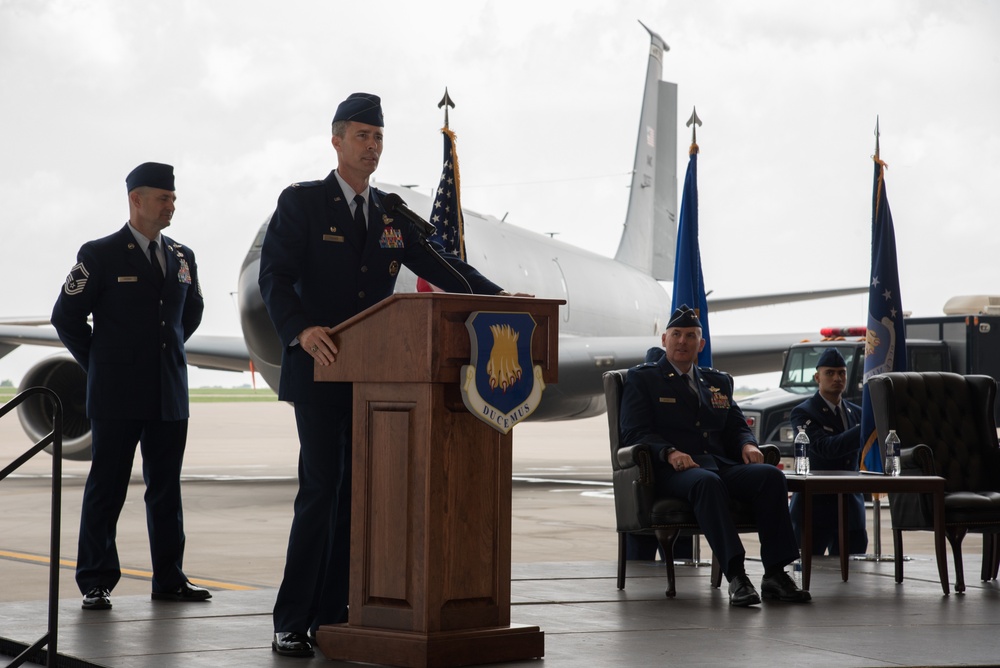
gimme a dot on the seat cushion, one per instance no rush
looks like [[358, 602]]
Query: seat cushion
[[972, 501], [972, 509]]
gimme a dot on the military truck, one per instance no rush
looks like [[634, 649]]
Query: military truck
[[965, 340]]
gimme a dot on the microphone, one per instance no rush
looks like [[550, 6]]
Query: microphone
[[393, 203]]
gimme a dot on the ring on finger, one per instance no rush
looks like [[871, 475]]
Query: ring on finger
[[314, 349]]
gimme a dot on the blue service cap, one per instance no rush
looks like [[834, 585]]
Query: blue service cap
[[684, 316], [831, 357], [151, 174], [361, 108]]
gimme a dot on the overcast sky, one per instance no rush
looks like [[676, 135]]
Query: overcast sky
[[238, 96]]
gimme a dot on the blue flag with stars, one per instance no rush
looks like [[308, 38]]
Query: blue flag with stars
[[689, 285], [885, 342], [446, 214]]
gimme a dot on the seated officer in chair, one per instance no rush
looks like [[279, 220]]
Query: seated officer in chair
[[833, 425], [646, 548], [704, 452]]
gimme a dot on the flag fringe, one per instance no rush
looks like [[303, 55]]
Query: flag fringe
[[871, 442], [458, 189]]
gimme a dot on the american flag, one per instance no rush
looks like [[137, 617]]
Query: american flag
[[446, 214]]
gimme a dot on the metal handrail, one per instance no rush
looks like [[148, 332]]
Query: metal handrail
[[54, 438]]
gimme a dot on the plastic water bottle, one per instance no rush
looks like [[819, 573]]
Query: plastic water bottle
[[892, 465], [802, 452]]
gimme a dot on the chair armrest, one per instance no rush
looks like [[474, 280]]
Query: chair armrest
[[633, 455], [772, 455], [634, 485], [640, 457], [918, 458]]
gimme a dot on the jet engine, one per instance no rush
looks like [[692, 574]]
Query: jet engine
[[68, 380]]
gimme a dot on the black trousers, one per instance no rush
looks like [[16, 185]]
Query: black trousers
[[315, 585], [709, 491], [113, 450]]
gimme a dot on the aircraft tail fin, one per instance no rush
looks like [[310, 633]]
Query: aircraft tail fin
[[649, 240]]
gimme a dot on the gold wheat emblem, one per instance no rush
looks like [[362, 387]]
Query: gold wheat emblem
[[503, 368]]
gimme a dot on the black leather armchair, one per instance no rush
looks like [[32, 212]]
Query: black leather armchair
[[637, 508], [946, 425]]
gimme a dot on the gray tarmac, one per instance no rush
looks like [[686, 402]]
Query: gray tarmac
[[239, 483]]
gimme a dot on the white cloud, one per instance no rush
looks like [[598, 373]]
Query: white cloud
[[238, 96]]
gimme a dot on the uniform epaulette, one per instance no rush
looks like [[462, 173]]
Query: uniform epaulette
[[712, 369], [306, 184]]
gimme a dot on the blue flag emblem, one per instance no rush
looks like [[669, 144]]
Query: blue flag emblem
[[500, 386], [885, 342], [689, 283]]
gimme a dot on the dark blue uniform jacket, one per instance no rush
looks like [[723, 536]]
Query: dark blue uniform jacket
[[831, 447], [138, 333], [658, 409], [314, 270]]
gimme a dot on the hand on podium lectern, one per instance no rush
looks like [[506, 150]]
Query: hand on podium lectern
[[316, 341]]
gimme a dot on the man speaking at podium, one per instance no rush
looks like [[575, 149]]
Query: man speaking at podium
[[331, 250]]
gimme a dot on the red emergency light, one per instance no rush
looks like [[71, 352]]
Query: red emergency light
[[843, 331]]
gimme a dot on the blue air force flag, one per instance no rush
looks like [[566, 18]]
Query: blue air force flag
[[689, 285], [500, 386], [885, 341]]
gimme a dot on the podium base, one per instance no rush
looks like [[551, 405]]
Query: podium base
[[440, 649]]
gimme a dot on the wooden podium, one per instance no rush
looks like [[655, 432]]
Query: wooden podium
[[430, 519]]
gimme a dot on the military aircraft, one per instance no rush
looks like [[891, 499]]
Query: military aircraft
[[616, 308]]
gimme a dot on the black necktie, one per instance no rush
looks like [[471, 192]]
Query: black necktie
[[692, 388], [155, 261], [359, 218]]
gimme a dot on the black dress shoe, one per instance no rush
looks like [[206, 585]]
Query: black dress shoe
[[97, 598], [742, 593], [291, 644], [185, 593], [783, 588]]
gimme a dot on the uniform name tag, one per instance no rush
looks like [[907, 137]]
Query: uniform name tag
[[667, 400], [333, 237], [128, 279]]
